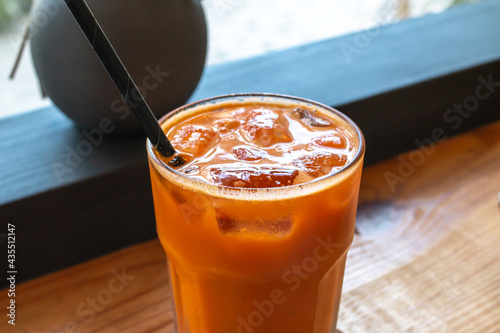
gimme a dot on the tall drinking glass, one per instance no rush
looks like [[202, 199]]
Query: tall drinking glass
[[256, 260]]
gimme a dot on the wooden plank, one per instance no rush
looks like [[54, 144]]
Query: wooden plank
[[82, 221], [433, 264], [90, 297], [396, 97], [425, 259]]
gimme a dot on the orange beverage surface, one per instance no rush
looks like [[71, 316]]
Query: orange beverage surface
[[257, 223]]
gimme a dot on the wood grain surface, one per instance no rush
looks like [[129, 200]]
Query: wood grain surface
[[426, 257]]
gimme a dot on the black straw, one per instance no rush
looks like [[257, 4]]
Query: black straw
[[120, 76]]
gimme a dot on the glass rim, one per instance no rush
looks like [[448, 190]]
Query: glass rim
[[271, 193]]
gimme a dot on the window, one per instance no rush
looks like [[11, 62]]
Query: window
[[237, 29]]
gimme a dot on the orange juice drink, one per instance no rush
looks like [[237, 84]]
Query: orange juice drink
[[257, 222]]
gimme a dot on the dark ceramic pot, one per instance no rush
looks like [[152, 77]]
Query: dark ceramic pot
[[161, 42]]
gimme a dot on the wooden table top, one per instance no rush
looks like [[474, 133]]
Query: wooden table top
[[426, 257]]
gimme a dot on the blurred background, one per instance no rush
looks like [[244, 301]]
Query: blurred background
[[237, 29]]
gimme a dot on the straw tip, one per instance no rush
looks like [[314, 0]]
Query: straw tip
[[177, 161]]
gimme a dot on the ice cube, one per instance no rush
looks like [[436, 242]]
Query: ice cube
[[320, 163], [337, 141], [275, 227], [253, 176], [226, 224], [307, 118], [194, 139], [265, 128], [226, 125], [247, 154]]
